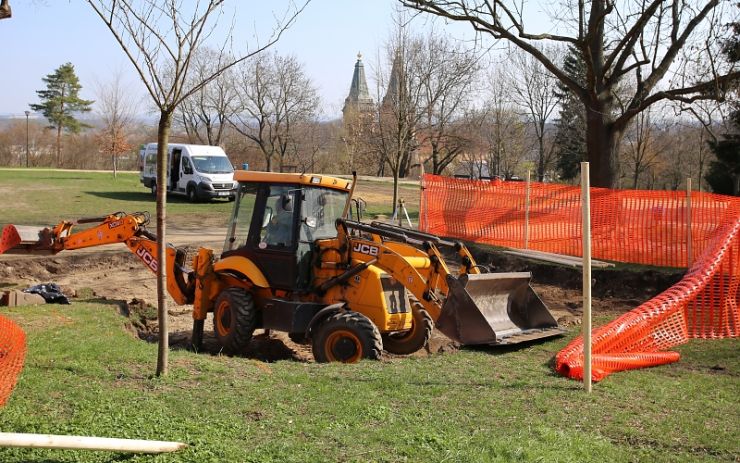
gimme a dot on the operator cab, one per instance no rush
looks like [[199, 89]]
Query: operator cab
[[277, 218]]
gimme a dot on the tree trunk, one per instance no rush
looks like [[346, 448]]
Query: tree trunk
[[395, 189], [163, 135], [59, 146], [541, 160], [602, 144]]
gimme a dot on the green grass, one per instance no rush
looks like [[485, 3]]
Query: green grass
[[85, 374], [42, 197], [45, 197]]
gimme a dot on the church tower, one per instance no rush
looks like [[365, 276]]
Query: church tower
[[358, 101]]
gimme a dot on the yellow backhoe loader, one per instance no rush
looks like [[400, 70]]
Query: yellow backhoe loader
[[294, 261]]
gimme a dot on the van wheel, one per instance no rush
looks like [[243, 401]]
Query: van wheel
[[192, 197], [154, 189]]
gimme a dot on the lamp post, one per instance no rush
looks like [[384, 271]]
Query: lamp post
[[28, 113]]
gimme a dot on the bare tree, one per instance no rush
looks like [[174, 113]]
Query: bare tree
[[712, 118], [644, 147], [160, 38], [399, 109], [277, 98], [446, 73], [204, 114], [117, 111], [503, 129], [534, 89], [671, 50]]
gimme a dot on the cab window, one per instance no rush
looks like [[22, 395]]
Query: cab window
[[187, 169], [278, 218], [320, 209]]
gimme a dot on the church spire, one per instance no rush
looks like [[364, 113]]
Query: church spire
[[359, 97]]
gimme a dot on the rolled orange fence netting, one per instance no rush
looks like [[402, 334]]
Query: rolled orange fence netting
[[646, 227], [704, 304], [12, 354]]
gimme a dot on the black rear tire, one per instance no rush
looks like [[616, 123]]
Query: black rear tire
[[408, 342], [234, 319], [346, 337], [154, 189]]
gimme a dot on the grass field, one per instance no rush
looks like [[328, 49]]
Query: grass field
[[87, 374], [42, 196]]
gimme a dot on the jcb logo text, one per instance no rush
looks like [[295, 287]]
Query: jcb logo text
[[147, 257], [366, 249]]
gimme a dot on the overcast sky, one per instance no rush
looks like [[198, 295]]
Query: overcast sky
[[44, 34]]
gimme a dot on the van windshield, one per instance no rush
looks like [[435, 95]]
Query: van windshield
[[212, 164]]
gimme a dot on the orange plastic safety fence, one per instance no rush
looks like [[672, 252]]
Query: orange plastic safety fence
[[12, 354], [648, 227], [704, 304], [644, 227]]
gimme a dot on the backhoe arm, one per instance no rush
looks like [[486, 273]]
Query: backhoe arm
[[129, 229]]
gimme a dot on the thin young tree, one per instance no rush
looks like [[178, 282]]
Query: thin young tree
[[160, 38], [667, 50], [60, 101]]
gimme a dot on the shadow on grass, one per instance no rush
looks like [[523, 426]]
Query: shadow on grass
[[144, 196], [133, 196]]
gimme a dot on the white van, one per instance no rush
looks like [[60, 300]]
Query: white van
[[197, 171]]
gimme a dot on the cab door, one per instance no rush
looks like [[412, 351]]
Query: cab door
[[175, 170], [272, 242]]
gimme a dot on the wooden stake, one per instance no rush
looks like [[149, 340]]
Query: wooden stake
[[526, 212], [50, 441], [586, 207]]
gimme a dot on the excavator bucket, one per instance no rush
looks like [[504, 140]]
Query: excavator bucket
[[9, 238], [19, 239], [495, 308]]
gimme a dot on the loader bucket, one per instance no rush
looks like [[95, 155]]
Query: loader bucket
[[495, 308]]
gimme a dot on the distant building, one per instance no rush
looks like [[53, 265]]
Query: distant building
[[358, 102]]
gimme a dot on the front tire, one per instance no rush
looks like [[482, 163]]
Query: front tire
[[346, 337], [408, 342], [154, 189], [234, 319], [192, 195]]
